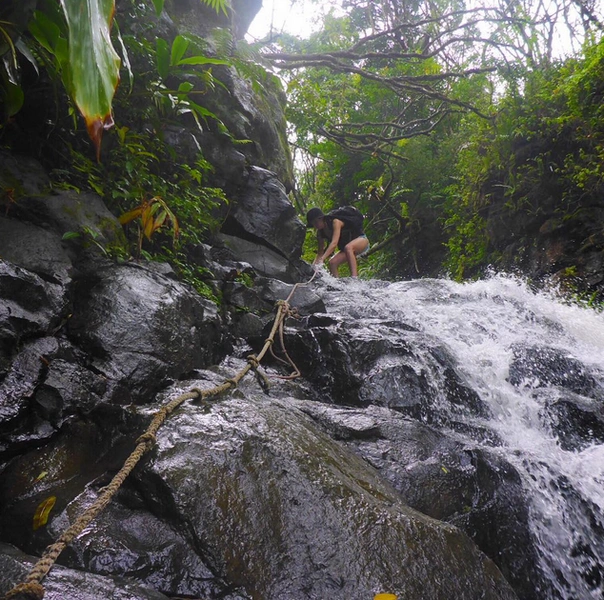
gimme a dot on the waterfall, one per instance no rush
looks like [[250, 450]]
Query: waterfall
[[493, 327]]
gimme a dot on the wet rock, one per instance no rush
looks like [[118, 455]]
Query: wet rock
[[141, 328], [70, 211], [62, 583], [247, 326], [576, 420], [477, 491], [265, 294], [29, 307], [252, 113], [34, 249], [23, 175], [385, 364], [86, 450], [23, 377], [128, 541], [264, 213], [284, 512], [541, 366], [220, 263], [46, 385], [265, 261]]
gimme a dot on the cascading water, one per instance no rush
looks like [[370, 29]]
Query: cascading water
[[487, 325]]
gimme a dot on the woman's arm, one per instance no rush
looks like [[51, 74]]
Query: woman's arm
[[320, 247], [335, 238]]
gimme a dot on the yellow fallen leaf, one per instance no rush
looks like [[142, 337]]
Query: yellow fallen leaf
[[41, 476], [43, 512], [444, 469]]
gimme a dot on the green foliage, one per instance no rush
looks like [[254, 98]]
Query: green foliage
[[76, 37], [143, 180], [537, 167]]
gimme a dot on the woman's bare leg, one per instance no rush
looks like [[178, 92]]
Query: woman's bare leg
[[351, 250], [336, 261]]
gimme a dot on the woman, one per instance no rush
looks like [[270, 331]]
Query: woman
[[340, 232]]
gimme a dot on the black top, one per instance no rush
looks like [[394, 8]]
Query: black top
[[347, 233]]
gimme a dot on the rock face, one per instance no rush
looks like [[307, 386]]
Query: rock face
[[68, 583], [251, 495], [142, 327], [362, 365], [250, 113]]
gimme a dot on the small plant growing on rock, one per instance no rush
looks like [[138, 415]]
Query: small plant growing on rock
[[153, 215]]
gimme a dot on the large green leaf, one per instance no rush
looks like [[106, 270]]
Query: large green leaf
[[94, 64]]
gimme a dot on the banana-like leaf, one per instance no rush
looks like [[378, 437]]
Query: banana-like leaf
[[202, 60], [179, 47], [93, 61]]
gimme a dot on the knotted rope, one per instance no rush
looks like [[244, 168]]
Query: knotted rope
[[31, 588]]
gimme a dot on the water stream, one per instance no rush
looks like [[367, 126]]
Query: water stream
[[483, 324]]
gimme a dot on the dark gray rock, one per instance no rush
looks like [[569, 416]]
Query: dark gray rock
[[218, 262], [35, 249], [576, 420], [284, 512], [23, 377], [265, 293], [538, 367], [264, 213], [479, 492], [63, 584], [383, 363], [29, 307], [23, 176], [47, 384], [70, 211], [142, 328], [247, 326], [128, 541], [266, 262]]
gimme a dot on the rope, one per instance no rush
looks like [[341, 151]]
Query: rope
[[31, 588]]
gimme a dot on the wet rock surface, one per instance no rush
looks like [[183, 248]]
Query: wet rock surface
[[382, 363], [65, 583], [30, 307], [141, 327], [264, 212], [537, 367], [446, 479]]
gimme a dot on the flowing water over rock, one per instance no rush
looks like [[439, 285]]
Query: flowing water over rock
[[444, 442], [537, 365]]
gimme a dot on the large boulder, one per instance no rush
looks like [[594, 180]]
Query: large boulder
[[446, 479], [383, 363], [283, 511], [264, 213], [141, 327]]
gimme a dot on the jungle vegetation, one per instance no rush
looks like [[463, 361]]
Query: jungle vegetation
[[455, 126]]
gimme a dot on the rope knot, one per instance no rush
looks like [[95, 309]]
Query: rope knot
[[201, 394], [147, 438], [26, 591], [253, 360]]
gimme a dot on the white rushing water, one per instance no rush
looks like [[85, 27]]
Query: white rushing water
[[481, 323]]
